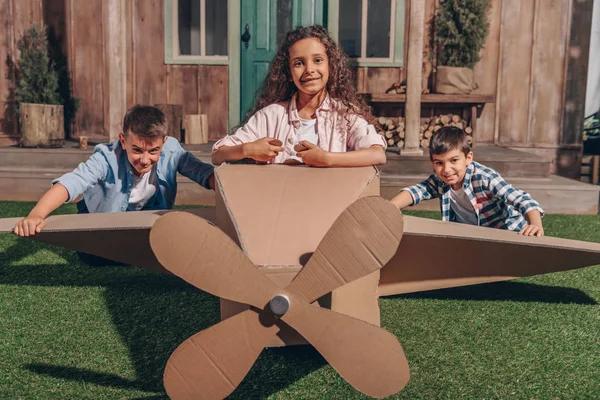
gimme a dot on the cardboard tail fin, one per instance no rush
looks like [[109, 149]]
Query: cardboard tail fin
[[436, 255]]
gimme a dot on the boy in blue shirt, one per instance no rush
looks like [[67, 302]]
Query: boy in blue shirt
[[469, 192], [136, 172]]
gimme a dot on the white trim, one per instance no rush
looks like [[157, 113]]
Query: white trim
[[363, 29], [392, 29], [176, 57], [202, 28]]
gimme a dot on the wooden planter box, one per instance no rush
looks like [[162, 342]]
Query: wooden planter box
[[42, 125]]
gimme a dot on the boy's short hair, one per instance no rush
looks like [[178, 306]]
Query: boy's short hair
[[448, 138], [146, 121]]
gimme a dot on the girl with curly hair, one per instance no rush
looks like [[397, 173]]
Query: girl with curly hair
[[307, 110]]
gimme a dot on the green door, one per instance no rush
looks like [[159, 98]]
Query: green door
[[264, 24]]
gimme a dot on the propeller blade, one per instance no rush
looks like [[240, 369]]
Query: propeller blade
[[204, 256], [213, 362], [366, 356], [362, 239], [473, 255]]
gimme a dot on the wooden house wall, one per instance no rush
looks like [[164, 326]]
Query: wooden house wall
[[527, 63]]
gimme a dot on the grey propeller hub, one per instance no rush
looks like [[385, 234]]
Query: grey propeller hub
[[279, 304]]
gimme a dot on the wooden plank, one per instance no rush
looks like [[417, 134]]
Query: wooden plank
[[547, 82], [432, 98], [361, 79], [213, 81], [183, 87], [430, 8], [25, 14], [87, 71], [130, 54], [115, 87], [148, 38], [379, 79], [8, 123], [513, 95], [413, 78], [486, 74]]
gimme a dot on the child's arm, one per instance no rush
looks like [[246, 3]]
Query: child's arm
[[36, 220], [248, 141], [402, 200], [413, 195], [66, 188], [317, 157], [535, 228], [264, 149], [521, 200]]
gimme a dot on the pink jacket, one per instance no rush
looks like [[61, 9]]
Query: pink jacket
[[281, 121]]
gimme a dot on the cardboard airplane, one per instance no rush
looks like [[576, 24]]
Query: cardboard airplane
[[302, 254]]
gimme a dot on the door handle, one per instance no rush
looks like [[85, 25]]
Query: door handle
[[246, 36]]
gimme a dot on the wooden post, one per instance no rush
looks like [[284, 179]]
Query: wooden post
[[413, 78], [174, 115], [115, 84], [194, 126]]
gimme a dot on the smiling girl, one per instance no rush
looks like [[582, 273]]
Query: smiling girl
[[307, 110]]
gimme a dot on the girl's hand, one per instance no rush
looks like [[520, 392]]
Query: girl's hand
[[265, 149], [532, 230], [313, 155], [29, 226]]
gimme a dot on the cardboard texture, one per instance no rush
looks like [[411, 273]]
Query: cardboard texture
[[278, 215], [121, 237], [436, 255], [368, 357]]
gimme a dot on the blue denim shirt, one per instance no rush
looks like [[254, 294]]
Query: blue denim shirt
[[106, 178]]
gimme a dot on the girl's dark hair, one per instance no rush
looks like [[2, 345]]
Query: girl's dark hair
[[146, 121], [278, 85], [448, 138]]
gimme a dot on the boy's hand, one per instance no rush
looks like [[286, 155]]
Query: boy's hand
[[29, 226], [532, 230], [313, 155], [265, 149]]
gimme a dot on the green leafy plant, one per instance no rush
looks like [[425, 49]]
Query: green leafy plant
[[461, 27], [37, 80]]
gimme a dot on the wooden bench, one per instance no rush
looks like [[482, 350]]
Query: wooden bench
[[470, 104]]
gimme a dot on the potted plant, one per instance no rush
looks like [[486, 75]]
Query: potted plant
[[461, 27], [41, 114]]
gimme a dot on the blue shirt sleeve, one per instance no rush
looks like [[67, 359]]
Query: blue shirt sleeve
[[86, 175], [191, 167], [425, 190]]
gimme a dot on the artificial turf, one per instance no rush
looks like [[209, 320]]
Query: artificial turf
[[72, 331]]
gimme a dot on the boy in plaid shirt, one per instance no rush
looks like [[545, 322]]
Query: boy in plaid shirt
[[471, 193]]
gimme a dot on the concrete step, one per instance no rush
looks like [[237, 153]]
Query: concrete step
[[509, 163], [557, 195]]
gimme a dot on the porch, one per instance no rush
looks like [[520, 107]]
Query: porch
[[25, 174]]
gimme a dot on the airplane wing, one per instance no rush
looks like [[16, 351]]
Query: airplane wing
[[121, 237], [436, 255]]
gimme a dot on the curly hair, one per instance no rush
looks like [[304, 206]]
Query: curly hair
[[278, 85]]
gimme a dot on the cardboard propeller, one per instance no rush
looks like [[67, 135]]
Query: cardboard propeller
[[212, 363]]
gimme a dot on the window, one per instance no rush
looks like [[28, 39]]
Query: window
[[370, 31], [196, 31]]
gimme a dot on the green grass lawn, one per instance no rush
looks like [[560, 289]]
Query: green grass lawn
[[68, 331]]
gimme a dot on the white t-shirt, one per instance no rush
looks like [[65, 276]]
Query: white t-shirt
[[144, 187], [460, 203], [308, 132]]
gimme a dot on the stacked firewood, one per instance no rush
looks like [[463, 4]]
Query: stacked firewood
[[393, 128], [430, 127]]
